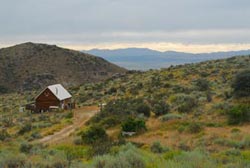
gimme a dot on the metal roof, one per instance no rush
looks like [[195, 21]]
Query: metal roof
[[59, 91]]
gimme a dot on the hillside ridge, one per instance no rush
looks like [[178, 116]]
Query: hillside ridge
[[30, 66]]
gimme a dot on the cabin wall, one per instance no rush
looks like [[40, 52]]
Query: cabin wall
[[46, 99]]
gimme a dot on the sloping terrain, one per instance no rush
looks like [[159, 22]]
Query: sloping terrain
[[193, 115], [32, 66], [165, 83]]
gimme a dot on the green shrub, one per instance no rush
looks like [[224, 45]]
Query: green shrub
[[183, 146], [112, 90], [4, 134], [180, 89], [93, 134], [123, 108], [69, 115], [98, 140], [36, 135], [11, 160], [143, 109], [109, 122], [25, 147], [7, 122], [59, 164], [185, 103], [78, 141], [221, 108], [246, 155], [42, 125], [181, 128], [161, 108], [24, 129], [239, 114], [100, 148], [52, 162], [241, 84], [133, 125], [235, 130], [73, 152], [156, 147], [195, 127], [233, 152], [128, 157], [44, 118], [202, 84], [214, 124], [209, 96], [245, 143], [193, 159], [171, 154]]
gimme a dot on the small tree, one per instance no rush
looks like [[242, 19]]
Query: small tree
[[241, 84]]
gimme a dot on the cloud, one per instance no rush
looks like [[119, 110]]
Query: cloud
[[96, 22], [183, 36]]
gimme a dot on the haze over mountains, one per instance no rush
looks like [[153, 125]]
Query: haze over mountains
[[143, 58], [31, 66]]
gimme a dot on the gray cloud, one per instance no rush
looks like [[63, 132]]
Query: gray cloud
[[90, 21]]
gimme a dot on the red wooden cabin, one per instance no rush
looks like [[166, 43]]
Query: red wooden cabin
[[53, 97]]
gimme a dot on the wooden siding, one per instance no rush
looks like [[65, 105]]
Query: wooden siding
[[46, 99]]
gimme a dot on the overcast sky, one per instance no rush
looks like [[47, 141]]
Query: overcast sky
[[181, 25]]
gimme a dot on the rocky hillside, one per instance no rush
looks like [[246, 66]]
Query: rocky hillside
[[32, 66]]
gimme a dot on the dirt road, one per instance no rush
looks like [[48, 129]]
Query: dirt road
[[81, 116]]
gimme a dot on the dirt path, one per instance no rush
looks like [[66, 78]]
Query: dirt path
[[81, 116]]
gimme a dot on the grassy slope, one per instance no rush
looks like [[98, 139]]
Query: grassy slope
[[166, 84], [163, 84]]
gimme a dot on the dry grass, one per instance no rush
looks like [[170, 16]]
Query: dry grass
[[167, 134]]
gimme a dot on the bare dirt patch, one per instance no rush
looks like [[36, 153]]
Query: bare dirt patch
[[81, 116]]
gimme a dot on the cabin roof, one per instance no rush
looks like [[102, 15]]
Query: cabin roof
[[59, 91]]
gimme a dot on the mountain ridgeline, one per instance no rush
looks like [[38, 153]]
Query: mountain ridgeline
[[144, 59], [32, 66]]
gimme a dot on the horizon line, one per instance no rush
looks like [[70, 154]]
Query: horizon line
[[155, 46]]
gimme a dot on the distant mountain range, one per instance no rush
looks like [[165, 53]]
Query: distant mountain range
[[143, 58], [31, 66]]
